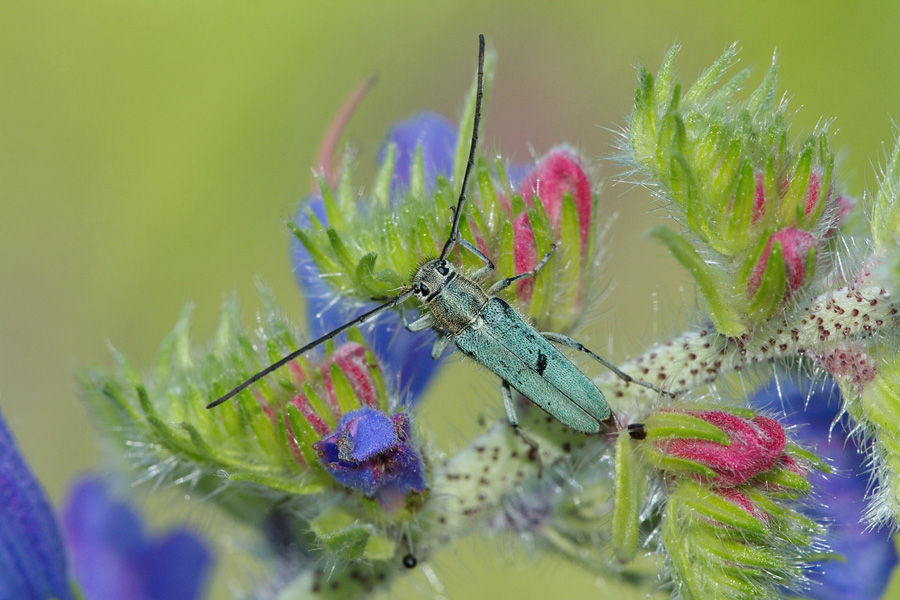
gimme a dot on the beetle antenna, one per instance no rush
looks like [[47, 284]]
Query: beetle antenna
[[454, 230], [398, 299]]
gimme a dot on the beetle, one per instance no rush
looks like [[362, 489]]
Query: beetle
[[490, 331]]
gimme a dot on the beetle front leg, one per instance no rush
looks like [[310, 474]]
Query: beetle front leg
[[505, 283], [567, 341], [485, 271], [512, 417], [423, 322]]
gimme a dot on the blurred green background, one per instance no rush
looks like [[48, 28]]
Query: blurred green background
[[149, 152]]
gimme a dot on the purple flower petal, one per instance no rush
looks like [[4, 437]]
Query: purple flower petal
[[32, 558], [436, 134], [369, 451], [113, 558], [870, 554], [373, 433]]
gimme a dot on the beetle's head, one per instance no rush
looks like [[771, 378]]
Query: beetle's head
[[431, 278]]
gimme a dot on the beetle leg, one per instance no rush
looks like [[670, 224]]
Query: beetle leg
[[440, 345], [485, 271], [533, 449], [505, 283], [423, 322], [567, 341]]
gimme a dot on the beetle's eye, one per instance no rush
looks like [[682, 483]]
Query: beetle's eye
[[423, 289], [442, 267]]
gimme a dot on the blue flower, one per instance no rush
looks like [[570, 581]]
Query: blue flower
[[371, 452], [113, 558], [408, 355], [437, 137], [110, 555], [870, 555], [32, 558]]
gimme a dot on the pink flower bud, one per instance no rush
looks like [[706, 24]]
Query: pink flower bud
[[814, 192], [795, 247], [759, 198], [524, 254], [557, 174], [756, 445]]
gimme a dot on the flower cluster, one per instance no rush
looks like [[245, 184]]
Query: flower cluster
[[366, 248], [727, 474], [758, 214]]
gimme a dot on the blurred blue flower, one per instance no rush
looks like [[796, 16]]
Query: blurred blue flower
[[111, 557], [870, 554], [32, 558], [437, 136], [370, 452], [405, 354]]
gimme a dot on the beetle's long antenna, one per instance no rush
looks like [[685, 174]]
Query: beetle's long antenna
[[454, 230], [398, 299]]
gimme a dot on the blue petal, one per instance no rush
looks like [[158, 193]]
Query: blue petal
[[436, 134], [32, 559], [404, 355], [373, 433], [871, 555], [113, 558]]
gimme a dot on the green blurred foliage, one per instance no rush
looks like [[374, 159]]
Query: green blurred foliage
[[149, 152]]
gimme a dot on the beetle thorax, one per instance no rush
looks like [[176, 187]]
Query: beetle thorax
[[453, 299]]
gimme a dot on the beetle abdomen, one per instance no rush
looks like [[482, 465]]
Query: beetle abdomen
[[513, 349]]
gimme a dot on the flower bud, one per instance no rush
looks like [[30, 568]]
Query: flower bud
[[562, 189], [556, 175], [797, 252], [721, 448], [371, 452]]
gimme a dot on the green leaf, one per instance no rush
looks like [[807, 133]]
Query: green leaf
[[338, 531], [703, 502], [772, 286], [711, 75], [723, 315], [304, 435], [381, 191], [343, 390], [665, 425], [630, 485], [417, 174], [365, 269], [340, 251], [333, 211], [762, 100]]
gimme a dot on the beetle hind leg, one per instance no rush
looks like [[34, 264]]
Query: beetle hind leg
[[559, 338]]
